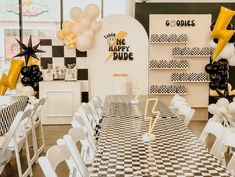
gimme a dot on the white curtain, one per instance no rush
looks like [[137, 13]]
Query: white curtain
[[130, 7]]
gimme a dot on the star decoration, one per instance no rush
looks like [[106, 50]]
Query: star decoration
[[28, 51]]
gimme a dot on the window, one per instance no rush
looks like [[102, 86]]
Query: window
[[114, 7]]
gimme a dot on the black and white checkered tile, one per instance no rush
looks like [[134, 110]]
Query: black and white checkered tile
[[164, 89], [59, 55], [8, 114], [195, 51], [153, 64], [163, 38], [175, 152]]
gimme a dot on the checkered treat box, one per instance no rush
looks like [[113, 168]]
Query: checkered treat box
[[195, 51], [205, 51], [163, 64], [185, 51], [153, 64], [154, 38], [172, 64], [183, 64], [163, 38], [175, 77], [154, 89], [183, 38], [176, 51]]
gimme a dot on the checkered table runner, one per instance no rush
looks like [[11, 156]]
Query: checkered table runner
[[175, 152], [8, 113]]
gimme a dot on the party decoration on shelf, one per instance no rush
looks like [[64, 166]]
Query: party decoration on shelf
[[171, 89], [80, 32], [187, 77], [220, 31], [149, 136], [10, 80], [195, 51], [165, 38], [22, 90]]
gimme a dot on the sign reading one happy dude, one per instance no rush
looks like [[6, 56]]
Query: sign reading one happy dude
[[117, 46]]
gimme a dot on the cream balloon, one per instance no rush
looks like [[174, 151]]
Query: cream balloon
[[19, 87], [77, 29], [222, 102], [84, 23], [95, 25], [92, 11], [28, 91], [89, 33], [76, 14], [83, 43], [231, 108], [212, 108], [67, 24]]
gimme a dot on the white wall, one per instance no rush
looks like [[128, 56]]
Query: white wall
[[101, 73]]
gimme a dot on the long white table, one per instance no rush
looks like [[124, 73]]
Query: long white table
[[175, 152]]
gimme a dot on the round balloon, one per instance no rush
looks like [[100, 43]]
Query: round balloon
[[19, 87], [223, 62], [95, 25], [222, 102], [213, 85], [60, 35], [76, 14], [89, 33], [212, 108], [77, 29], [67, 24], [84, 23], [26, 81], [28, 91], [25, 71], [92, 11], [215, 77], [222, 86], [209, 68], [212, 26], [83, 43]]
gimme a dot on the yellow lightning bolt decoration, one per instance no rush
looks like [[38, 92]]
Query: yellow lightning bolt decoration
[[220, 30], [120, 35]]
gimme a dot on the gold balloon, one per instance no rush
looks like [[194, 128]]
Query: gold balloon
[[67, 24], [3, 87], [60, 35], [33, 61], [14, 72], [220, 30]]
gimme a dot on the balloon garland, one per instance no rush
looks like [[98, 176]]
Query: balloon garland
[[31, 74], [80, 32]]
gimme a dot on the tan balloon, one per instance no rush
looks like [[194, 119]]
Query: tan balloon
[[92, 11], [76, 14], [89, 33], [28, 91], [77, 30], [83, 43], [60, 35], [95, 25], [67, 24], [84, 23]]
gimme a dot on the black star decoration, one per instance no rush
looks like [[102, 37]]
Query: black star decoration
[[28, 51]]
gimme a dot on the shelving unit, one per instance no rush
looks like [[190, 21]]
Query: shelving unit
[[198, 36]]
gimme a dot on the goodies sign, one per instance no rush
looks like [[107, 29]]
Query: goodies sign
[[118, 49]]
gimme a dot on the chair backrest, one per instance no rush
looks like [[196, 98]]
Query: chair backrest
[[231, 164], [187, 112], [38, 106], [94, 112], [85, 108], [98, 99], [97, 106], [56, 155], [174, 99], [80, 120], [74, 136]]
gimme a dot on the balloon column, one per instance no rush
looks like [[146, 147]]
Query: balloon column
[[80, 32], [31, 74]]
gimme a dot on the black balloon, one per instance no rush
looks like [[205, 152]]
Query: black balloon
[[230, 26], [232, 39], [215, 77], [25, 71], [35, 86], [223, 86], [39, 74], [215, 68], [26, 81], [216, 40], [212, 26], [223, 62], [209, 68], [40, 78], [213, 85], [224, 74], [226, 68]]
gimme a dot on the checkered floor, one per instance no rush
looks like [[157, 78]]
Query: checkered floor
[[175, 152]]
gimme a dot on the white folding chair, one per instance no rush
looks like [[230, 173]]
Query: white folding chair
[[231, 165], [19, 138], [216, 129], [98, 99], [86, 110], [54, 156], [80, 120], [187, 112], [36, 123], [94, 112], [97, 106], [74, 136], [176, 103]]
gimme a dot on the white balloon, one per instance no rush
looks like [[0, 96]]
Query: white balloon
[[212, 108], [19, 87], [222, 102], [76, 14], [92, 11], [28, 91], [83, 43], [212, 44], [231, 108], [227, 52], [95, 25], [89, 33], [84, 23], [77, 29]]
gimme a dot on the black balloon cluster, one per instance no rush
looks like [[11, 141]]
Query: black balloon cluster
[[219, 74], [31, 76]]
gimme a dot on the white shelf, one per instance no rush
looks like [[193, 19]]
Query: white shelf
[[168, 68], [190, 81], [168, 42], [168, 94], [191, 56]]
